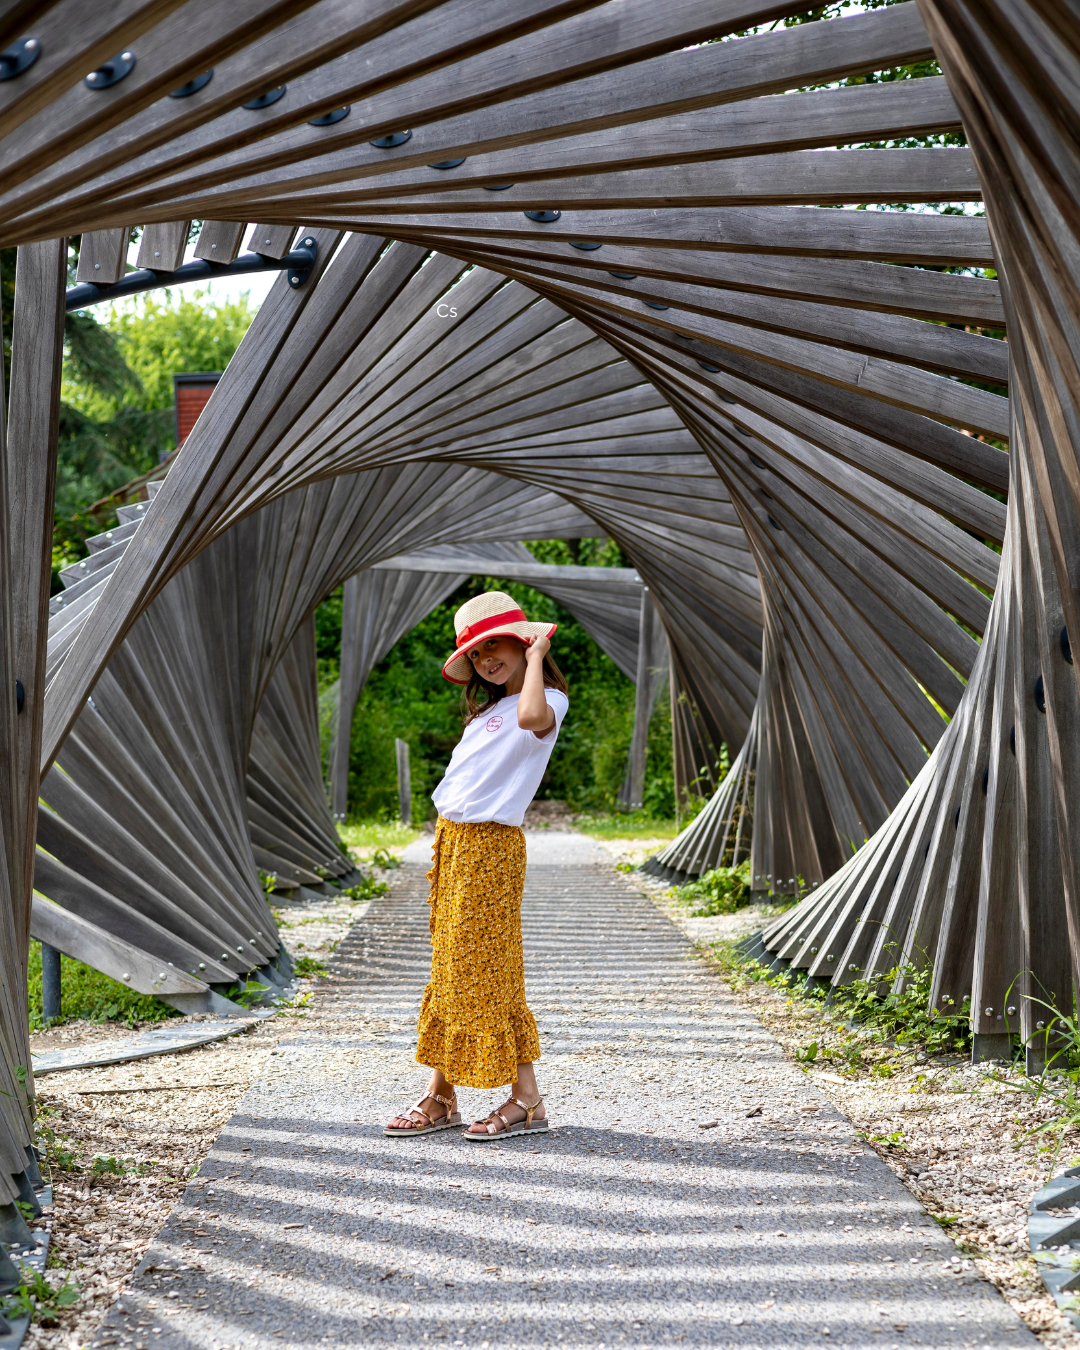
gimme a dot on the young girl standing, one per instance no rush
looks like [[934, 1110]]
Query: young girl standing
[[475, 1026]]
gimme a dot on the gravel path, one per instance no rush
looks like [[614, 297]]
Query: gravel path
[[630, 1225]]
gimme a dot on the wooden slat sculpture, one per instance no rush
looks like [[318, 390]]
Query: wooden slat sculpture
[[839, 563], [292, 834], [196, 762]]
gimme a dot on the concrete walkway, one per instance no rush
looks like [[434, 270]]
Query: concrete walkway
[[630, 1225]]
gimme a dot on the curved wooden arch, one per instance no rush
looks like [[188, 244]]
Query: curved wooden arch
[[858, 533]]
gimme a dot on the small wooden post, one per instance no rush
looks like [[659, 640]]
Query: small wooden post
[[650, 673], [404, 781], [50, 983]]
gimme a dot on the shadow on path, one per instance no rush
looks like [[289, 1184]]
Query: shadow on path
[[628, 1225]]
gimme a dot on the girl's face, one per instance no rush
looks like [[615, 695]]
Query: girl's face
[[497, 659]]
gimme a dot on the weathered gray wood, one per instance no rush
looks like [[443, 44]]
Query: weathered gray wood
[[652, 668], [83, 941], [774, 439], [404, 781], [162, 247], [219, 241], [272, 241], [103, 255]]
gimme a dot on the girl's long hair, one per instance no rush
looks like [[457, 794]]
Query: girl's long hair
[[481, 695]]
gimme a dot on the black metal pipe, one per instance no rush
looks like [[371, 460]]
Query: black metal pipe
[[50, 983], [298, 264]]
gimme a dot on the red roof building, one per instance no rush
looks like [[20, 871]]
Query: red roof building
[[191, 393]]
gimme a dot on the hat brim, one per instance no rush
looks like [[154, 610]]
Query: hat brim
[[458, 669]]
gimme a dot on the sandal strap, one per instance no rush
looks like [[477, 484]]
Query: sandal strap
[[416, 1111], [497, 1114], [527, 1109], [428, 1120]]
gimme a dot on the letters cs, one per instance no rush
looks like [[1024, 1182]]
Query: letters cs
[[445, 311]]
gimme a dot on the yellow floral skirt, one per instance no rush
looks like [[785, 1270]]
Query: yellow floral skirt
[[475, 1026]]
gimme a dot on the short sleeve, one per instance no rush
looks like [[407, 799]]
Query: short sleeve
[[558, 703]]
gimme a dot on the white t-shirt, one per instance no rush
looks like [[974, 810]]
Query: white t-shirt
[[497, 766]]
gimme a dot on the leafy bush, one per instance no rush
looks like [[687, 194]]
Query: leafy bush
[[721, 891], [905, 1016]]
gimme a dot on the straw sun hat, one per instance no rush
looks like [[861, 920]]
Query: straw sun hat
[[489, 615]]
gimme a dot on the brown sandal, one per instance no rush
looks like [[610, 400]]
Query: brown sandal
[[426, 1124], [526, 1126]]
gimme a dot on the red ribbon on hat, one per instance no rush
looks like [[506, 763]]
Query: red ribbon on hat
[[472, 631]]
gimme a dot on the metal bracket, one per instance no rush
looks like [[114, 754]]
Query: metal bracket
[[112, 72], [19, 57], [388, 142], [308, 252], [265, 99], [193, 86], [328, 119]]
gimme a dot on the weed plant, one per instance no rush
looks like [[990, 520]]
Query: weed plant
[[307, 967], [721, 891], [866, 1022], [367, 888], [36, 1298], [1058, 1086]]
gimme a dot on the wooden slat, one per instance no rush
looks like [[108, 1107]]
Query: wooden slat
[[162, 247], [103, 256], [219, 241]]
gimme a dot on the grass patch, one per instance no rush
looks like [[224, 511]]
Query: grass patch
[[868, 1022], [375, 834], [87, 994], [631, 825]]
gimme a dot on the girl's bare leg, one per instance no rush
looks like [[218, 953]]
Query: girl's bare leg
[[435, 1110], [525, 1090]]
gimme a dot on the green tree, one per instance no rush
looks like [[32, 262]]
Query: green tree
[[163, 334], [407, 696], [116, 417]]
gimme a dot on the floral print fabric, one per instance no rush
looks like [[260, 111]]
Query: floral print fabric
[[475, 1026]]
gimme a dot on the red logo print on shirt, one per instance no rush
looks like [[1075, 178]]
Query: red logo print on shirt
[[493, 723]]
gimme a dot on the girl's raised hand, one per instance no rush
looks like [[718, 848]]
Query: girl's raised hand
[[537, 649]]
